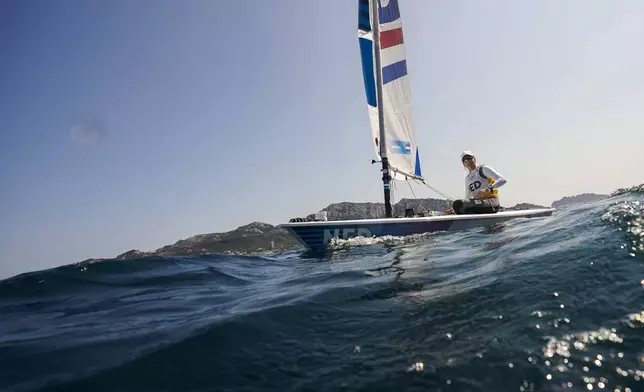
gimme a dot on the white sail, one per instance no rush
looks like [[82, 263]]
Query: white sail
[[401, 148]]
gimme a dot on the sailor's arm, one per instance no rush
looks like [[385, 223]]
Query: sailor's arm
[[499, 181]]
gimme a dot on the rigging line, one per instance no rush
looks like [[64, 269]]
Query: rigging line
[[419, 202], [439, 192]]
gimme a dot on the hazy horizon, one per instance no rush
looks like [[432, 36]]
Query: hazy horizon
[[130, 125]]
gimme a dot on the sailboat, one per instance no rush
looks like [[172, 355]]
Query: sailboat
[[386, 82]]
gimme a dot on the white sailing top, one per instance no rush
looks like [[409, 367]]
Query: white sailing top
[[475, 182]]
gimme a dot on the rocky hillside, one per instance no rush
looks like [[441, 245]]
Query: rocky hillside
[[254, 238], [636, 189], [348, 210], [523, 206], [583, 198]]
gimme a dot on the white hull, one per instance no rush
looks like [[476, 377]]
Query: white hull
[[316, 235]]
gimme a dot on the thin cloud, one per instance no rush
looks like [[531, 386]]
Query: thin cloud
[[84, 134]]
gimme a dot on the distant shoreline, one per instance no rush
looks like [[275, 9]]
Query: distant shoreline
[[258, 238]]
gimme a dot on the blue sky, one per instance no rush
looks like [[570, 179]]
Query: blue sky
[[132, 124]]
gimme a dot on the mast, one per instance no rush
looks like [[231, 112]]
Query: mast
[[386, 178]]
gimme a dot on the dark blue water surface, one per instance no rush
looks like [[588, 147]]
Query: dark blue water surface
[[541, 304]]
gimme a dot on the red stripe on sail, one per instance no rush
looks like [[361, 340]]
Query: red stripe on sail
[[391, 38]]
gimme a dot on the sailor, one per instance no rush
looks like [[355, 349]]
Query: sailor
[[482, 185]]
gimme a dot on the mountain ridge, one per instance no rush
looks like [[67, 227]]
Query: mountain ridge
[[577, 199]]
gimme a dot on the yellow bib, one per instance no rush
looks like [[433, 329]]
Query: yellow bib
[[490, 181], [495, 192]]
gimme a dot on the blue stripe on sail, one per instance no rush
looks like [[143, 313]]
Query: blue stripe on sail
[[389, 13], [364, 23], [417, 171], [366, 54], [394, 71]]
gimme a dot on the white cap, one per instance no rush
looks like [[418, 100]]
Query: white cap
[[464, 153]]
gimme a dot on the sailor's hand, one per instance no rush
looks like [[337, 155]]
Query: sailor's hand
[[449, 211], [484, 193]]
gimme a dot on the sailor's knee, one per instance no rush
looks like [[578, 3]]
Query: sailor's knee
[[457, 206]]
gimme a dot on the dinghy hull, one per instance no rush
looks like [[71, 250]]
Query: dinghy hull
[[317, 235]]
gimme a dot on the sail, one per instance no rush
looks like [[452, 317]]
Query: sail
[[401, 148]]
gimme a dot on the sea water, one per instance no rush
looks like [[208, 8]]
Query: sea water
[[542, 304]]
